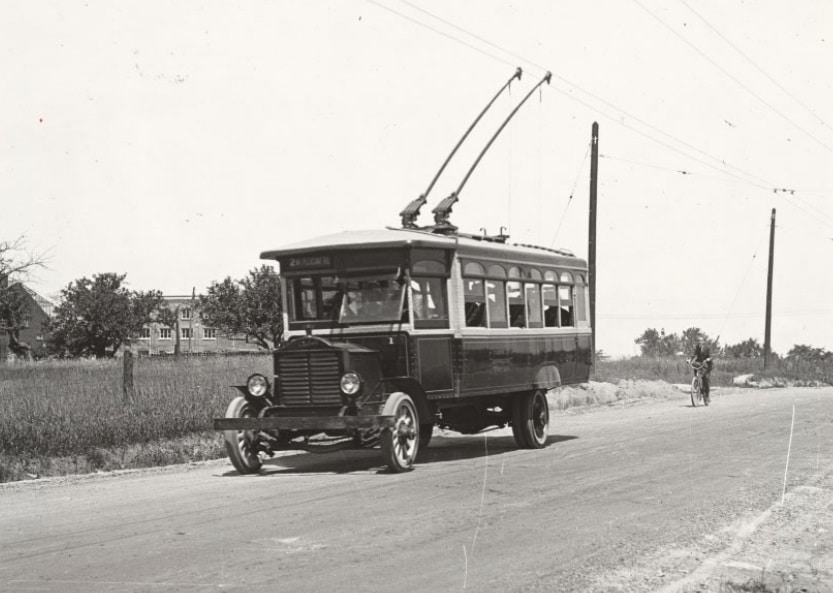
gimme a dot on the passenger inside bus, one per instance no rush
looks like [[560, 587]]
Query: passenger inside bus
[[475, 314], [369, 301], [551, 316]]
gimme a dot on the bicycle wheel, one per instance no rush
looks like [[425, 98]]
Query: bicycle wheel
[[695, 391]]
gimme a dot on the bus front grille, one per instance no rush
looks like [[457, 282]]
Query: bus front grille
[[309, 378]]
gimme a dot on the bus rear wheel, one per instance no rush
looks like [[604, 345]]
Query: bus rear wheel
[[400, 443], [531, 419]]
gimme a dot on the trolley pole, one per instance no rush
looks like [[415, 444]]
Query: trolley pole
[[768, 327], [591, 251]]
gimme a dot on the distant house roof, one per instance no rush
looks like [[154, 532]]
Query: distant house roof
[[43, 302]]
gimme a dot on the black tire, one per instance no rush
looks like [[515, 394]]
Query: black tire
[[695, 391], [426, 431], [517, 421], [531, 420], [400, 444], [238, 442]]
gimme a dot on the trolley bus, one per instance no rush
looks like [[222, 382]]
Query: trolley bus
[[390, 333]]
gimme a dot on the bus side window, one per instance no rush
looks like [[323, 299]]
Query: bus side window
[[533, 305], [303, 299], [517, 307], [475, 302], [581, 303], [496, 303], [566, 298], [429, 303], [550, 305]]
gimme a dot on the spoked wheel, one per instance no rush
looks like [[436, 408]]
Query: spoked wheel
[[400, 443], [239, 443], [531, 419], [696, 396]]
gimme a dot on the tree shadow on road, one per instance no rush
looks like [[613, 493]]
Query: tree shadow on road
[[441, 449]]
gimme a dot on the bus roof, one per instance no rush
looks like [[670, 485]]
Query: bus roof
[[401, 237]]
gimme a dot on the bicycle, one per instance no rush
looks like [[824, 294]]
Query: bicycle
[[697, 394]]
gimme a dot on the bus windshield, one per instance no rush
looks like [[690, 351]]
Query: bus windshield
[[371, 300], [348, 300]]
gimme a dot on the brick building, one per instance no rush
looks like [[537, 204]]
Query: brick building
[[193, 335], [33, 332]]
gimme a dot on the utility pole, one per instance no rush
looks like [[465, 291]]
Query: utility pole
[[591, 252], [768, 329]]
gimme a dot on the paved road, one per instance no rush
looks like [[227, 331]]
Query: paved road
[[633, 497]]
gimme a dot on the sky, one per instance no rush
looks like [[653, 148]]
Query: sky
[[173, 142]]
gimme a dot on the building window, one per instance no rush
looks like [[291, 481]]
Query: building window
[[209, 333], [144, 333], [185, 313], [185, 332], [164, 333]]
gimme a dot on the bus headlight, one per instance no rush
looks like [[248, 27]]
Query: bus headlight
[[257, 385], [351, 383]]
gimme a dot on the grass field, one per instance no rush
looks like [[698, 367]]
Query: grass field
[[71, 417], [66, 417]]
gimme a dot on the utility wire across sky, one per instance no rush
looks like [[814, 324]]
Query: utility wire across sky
[[717, 163]]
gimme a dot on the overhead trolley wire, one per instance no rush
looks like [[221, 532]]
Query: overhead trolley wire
[[580, 89], [743, 279], [726, 169], [438, 32], [731, 77], [572, 192], [701, 316], [686, 172], [792, 197], [756, 66]]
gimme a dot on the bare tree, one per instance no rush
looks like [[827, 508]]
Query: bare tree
[[17, 263]]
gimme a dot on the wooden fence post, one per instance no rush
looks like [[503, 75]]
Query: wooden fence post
[[127, 383]]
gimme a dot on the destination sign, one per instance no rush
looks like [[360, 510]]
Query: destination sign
[[310, 261]]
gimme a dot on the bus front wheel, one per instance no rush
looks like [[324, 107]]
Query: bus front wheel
[[239, 443], [531, 419], [400, 443]]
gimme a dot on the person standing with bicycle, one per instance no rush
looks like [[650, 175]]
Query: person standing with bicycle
[[702, 355]]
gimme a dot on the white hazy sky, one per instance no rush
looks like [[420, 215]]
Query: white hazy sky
[[175, 141]]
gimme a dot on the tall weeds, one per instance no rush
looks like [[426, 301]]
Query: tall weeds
[[69, 408], [677, 370]]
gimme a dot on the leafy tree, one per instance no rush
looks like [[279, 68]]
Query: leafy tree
[[809, 354], [96, 317], [250, 306], [655, 343], [747, 349], [692, 335], [16, 264]]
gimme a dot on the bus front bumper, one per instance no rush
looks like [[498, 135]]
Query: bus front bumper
[[305, 423]]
